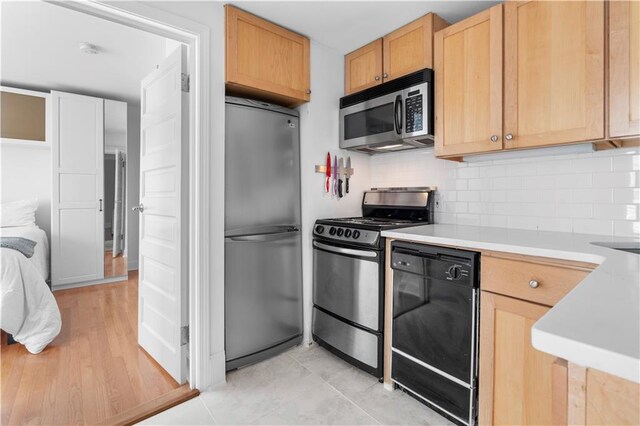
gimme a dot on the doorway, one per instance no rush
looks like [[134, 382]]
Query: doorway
[[197, 344]]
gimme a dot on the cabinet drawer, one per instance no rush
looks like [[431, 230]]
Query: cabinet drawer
[[513, 277]]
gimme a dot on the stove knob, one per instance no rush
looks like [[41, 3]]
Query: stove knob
[[340, 232], [356, 235], [347, 233], [319, 229], [332, 231]]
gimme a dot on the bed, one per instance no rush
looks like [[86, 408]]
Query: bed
[[28, 310]]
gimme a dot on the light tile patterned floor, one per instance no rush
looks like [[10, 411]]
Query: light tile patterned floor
[[304, 386]]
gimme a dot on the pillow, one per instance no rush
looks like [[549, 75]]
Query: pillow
[[18, 213]]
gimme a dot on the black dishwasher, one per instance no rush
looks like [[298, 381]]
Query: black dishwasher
[[435, 327]]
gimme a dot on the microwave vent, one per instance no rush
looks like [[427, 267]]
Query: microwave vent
[[418, 77]]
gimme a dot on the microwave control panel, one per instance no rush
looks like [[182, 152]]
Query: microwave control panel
[[414, 115]]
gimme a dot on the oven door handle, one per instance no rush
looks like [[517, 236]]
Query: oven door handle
[[342, 250]]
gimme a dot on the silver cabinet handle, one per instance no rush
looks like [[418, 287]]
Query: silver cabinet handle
[[138, 209], [494, 138], [308, 91], [385, 75], [508, 136], [533, 284], [376, 78], [100, 204]]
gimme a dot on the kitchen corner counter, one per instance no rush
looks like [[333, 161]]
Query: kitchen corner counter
[[595, 325]]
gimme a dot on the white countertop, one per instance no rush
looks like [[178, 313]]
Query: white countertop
[[598, 323]]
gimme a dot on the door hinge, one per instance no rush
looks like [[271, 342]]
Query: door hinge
[[184, 335], [184, 79]]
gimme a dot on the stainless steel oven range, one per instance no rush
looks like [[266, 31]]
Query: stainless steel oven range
[[348, 273]]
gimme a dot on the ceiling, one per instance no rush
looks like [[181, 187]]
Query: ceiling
[[346, 25], [40, 51], [40, 41]]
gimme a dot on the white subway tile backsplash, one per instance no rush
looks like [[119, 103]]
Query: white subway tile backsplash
[[626, 228], [468, 195], [593, 226], [626, 195], [626, 163], [574, 210], [616, 180], [596, 193], [615, 211], [592, 165], [592, 195]]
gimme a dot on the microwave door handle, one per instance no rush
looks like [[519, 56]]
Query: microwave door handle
[[398, 114]]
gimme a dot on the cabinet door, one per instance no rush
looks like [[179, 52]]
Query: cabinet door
[[363, 68], [554, 72], [468, 70], [265, 57], [410, 48], [516, 383], [624, 68]]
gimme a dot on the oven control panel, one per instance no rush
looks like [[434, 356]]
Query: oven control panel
[[339, 233]]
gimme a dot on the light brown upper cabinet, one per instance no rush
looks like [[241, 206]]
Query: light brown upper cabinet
[[554, 70], [363, 67], [410, 48], [264, 60], [405, 50], [624, 69], [531, 76], [468, 63]]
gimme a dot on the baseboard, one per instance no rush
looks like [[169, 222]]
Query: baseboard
[[132, 264], [88, 283], [217, 368], [151, 408]]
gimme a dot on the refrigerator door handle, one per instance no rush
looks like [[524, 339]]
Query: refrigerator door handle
[[263, 237]]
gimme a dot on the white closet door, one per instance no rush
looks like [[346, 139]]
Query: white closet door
[[162, 291], [77, 228]]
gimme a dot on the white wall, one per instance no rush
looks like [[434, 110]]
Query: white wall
[[26, 173], [592, 193], [133, 184], [318, 134]]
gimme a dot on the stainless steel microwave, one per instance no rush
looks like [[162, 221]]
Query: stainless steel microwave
[[393, 116]]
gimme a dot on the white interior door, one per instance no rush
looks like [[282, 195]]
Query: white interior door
[[162, 304], [77, 226]]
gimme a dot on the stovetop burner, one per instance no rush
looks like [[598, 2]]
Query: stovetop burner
[[381, 210], [373, 221]]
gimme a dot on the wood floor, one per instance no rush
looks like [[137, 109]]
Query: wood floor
[[114, 266], [92, 371]]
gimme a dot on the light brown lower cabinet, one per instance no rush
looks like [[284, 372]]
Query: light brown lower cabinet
[[598, 398], [515, 379]]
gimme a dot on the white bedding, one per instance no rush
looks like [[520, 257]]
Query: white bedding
[[28, 309], [40, 257]]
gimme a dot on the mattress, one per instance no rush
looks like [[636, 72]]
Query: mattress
[[40, 258]]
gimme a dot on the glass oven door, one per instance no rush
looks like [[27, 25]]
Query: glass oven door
[[374, 121]]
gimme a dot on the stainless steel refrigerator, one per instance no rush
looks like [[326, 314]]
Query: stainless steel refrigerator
[[263, 252]]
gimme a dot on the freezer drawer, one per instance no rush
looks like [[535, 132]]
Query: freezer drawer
[[263, 292], [348, 339], [348, 285]]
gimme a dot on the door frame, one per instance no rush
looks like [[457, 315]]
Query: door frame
[[202, 371]]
